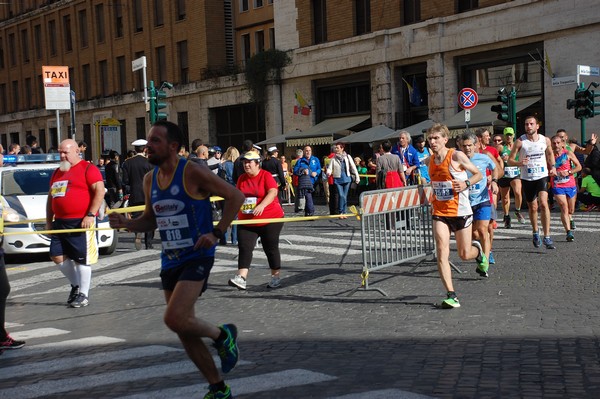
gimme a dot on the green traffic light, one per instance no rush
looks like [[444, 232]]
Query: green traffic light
[[161, 116]]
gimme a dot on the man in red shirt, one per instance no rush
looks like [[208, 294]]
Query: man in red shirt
[[76, 194]]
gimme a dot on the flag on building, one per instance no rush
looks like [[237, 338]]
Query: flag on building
[[301, 106], [548, 66], [414, 94]]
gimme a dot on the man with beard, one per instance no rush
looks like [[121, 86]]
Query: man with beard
[[76, 194], [177, 196]]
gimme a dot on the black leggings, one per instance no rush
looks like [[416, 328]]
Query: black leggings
[[269, 238], [4, 291]]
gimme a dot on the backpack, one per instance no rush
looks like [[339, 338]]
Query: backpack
[[222, 173]]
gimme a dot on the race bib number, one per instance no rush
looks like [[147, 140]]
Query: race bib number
[[174, 231], [535, 170], [59, 188], [511, 172], [443, 190], [249, 205], [561, 179]]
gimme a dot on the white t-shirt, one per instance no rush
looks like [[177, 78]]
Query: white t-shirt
[[535, 151]]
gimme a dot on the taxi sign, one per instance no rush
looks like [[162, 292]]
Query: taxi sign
[[467, 98], [57, 89]]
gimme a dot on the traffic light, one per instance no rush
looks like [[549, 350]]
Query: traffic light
[[160, 95], [593, 103], [155, 106], [503, 109], [584, 102]]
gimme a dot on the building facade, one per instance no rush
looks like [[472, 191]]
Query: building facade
[[397, 62]]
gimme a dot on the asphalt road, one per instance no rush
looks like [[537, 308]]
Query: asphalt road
[[529, 330]]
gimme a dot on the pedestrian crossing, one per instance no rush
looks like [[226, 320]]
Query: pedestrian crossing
[[48, 366], [60, 374], [44, 371]]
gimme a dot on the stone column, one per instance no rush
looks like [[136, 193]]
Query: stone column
[[381, 98]]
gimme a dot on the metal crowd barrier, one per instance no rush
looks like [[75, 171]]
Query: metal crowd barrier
[[396, 227]]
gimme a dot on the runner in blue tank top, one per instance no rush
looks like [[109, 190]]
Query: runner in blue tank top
[[177, 202], [479, 197]]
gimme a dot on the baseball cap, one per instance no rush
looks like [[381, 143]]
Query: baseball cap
[[509, 131], [272, 149], [216, 148], [139, 142], [251, 156]]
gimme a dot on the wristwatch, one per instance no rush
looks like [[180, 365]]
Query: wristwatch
[[468, 183], [90, 214], [217, 233]]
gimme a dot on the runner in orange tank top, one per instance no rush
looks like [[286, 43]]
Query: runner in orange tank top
[[451, 210]]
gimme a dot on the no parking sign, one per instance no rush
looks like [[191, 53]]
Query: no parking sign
[[467, 99]]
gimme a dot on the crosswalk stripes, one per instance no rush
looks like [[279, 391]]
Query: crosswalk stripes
[[102, 360], [245, 385], [59, 346]]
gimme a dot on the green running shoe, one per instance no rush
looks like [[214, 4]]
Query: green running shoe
[[482, 261], [570, 236], [226, 394], [228, 348], [451, 301]]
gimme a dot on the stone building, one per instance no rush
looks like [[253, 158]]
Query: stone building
[[366, 62]]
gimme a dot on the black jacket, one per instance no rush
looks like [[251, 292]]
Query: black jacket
[[134, 170]]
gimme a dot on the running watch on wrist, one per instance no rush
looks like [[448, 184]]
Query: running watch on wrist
[[468, 183]]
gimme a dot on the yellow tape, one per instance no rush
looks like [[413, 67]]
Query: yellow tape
[[354, 212], [15, 233]]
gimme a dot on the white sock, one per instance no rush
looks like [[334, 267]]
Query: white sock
[[67, 267], [85, 278]]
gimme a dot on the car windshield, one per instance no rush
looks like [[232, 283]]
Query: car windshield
[[26, 182]]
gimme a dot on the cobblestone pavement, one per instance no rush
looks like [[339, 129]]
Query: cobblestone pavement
[[529, 330]]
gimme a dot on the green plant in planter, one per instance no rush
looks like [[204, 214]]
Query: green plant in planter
[[262, 67]]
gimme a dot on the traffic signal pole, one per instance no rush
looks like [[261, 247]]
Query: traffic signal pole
[[513, 108], [582, 122], [152, 103], [584, 105]]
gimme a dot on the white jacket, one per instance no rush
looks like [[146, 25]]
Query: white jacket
[[335, 168]]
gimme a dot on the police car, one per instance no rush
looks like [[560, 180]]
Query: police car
[[24, 186]]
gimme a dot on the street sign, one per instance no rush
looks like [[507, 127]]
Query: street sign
[[565, 80], [588, 70], [57, 89], [138, 63], [467, 98]]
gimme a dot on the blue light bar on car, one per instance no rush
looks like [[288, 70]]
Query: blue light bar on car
[[31, 158]]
